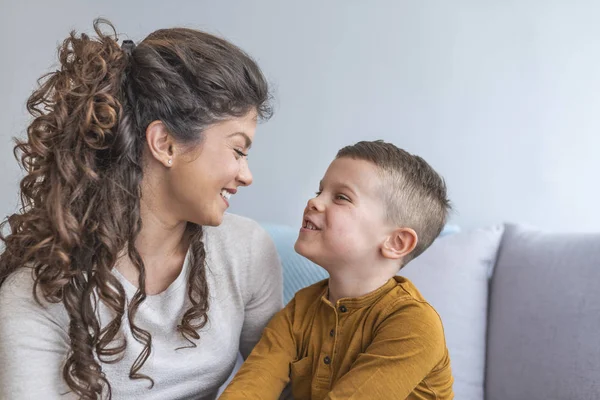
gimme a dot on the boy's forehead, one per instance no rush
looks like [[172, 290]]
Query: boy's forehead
[[360, 175]]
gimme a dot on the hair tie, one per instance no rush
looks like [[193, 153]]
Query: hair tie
[[128, 46]]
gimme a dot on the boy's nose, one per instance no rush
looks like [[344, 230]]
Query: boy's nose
[[315, 204]]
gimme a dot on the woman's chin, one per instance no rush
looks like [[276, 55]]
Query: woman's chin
[[215, 219]]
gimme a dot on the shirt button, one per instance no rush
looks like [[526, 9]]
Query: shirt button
[[343, 309], [327, 360], [331, 333]]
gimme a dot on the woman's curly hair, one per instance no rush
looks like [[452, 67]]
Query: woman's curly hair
[[80, 197]]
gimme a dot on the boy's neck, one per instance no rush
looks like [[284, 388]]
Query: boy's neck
[[343, 285]]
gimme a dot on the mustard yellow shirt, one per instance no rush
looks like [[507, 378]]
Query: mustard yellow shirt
[[388, 344]]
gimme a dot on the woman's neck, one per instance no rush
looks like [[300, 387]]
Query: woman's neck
[[162, 244]]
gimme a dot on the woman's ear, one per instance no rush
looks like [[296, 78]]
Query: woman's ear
[[399, 243], [160, 143]]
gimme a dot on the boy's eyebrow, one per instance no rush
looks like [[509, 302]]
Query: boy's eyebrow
[[246, 138], [341, 185], [348, 187]]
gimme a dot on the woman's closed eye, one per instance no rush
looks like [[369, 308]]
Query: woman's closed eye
[[239, 154]]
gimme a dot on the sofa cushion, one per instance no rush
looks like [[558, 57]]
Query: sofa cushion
[[544, 322], [453, 275]]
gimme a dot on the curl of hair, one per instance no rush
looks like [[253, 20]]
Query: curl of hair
[[80, 196]]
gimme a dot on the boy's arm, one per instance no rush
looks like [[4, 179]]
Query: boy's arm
[[405, 348], [266, 371]]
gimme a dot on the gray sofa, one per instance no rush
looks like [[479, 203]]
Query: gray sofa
[[543, 338], [521, 308]]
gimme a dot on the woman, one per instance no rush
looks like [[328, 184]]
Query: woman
[[111, 286]]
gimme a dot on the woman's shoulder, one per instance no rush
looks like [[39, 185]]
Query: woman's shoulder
[[18, 286], [242, 245], [236, 231], [233, 223], [17, 299]]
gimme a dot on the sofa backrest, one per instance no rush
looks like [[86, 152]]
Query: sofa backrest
[[544, 317]]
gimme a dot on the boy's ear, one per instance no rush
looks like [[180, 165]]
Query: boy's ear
[[399, 243], [160, 143]]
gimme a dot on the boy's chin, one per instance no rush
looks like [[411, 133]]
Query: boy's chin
[[301, 248]]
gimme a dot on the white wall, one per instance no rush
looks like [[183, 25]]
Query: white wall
[[501, 97]]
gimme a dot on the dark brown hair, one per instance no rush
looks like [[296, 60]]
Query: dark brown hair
[[80, 196], [414, 194]]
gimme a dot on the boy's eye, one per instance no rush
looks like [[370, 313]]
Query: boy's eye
[[318, 192], [342, 197]]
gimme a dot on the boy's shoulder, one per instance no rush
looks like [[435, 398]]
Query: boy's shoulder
[[403, 292], [312, 293], [407, 290], [405, 299], [306, 299]]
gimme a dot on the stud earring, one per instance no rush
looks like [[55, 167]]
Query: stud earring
[[170, 161]]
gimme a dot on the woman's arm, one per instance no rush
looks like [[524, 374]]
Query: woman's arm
[[265, 285]]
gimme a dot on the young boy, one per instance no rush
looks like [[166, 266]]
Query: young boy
[[364, 333]]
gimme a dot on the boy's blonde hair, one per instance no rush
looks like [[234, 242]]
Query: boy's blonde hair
[[414, 194]]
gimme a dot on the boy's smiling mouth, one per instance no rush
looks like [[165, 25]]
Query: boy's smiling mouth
[[309, 225]]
